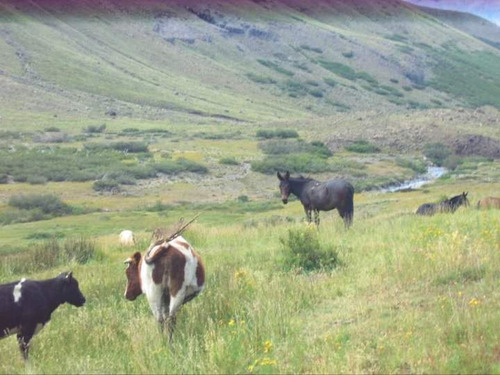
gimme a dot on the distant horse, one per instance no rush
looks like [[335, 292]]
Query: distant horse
[[487, 203], [319, 196], [448, 205]]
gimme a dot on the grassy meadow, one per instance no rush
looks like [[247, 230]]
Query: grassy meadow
[[408, 294], [130, 115]]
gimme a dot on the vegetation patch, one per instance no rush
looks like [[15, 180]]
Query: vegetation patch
[[415, 164], [303, 250], [265, 80], [276, 67], [472, 77], [277, 133], [49, 254], [362, 147], [312, 49], [228, 161], [295, 146]]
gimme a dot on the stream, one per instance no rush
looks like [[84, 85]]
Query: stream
[[432, 174]]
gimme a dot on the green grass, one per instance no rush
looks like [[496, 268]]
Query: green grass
[[477, 85], [435, 280]]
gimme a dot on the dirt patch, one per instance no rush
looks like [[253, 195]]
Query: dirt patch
[[474, 144]]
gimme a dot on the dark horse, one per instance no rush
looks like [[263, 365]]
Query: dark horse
[[448, 205], [319, 196]]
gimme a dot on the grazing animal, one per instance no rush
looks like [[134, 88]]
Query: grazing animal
[[447, 205], [489, 202], [319, 196], [169, 274], [26, 305], [127, 238]]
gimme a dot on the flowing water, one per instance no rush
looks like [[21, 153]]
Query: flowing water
[[432, 174]]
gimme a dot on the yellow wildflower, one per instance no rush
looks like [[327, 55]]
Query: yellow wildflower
[[268, 346], [474, 302], [231, 323]]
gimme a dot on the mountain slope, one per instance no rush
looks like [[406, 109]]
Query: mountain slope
[[245, 60], [488, 9]]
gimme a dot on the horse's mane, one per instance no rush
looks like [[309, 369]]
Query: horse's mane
[[301, 179]]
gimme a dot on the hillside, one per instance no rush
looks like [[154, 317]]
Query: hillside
[[258, 61], [487, 9]]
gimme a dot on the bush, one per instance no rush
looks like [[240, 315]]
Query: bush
[[330, 82], [348, 55], [52, 129], [309, 48], [278, 133], [134, 147], [260, 79], [303, 250], [437, 152], [295, 147], [229, 161], [362, 147], [106, 185], [452, 162], [95, 129], [416, 165], [298, 163], [276, 67], [47, 204], [317, 93]]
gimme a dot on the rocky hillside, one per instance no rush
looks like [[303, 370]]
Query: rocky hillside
[[259, 61]]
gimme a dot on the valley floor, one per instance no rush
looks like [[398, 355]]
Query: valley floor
[[409, 293]]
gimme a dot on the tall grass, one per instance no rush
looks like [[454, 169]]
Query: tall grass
[[414, 295]]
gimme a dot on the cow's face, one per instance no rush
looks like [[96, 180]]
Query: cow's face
[[70, 291], [133, 277]]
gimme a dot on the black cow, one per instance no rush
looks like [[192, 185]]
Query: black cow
[[26, 305]]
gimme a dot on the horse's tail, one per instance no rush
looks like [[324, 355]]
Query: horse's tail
[[349, 207]]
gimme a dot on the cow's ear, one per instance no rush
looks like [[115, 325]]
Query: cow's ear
[[287, 175], [280, 177]]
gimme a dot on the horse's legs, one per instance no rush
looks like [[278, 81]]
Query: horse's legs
[[308, 214], [316, 217]]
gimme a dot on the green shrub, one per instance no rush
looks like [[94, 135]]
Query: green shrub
[[180, 165], [297, 163], [348, 55], [106, 185], [260, 79], [276, 67], [95, 128], [277, 133], [309, 48], [303, 250], [52, 129], [228, 161], [452, 162], [134, 147], [295, 147], [437, 152], [362, 147], [47, 204], [317, 93], [416, 165], [330, 82]]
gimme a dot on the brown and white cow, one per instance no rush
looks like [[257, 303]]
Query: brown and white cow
[[170, 274]]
